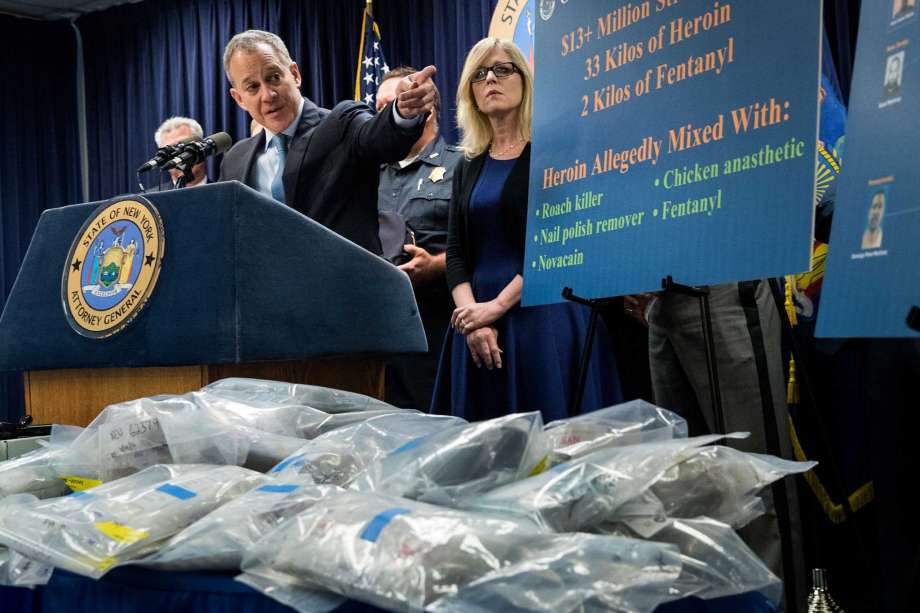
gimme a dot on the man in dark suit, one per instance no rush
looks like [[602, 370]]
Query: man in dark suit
[[323, 163]]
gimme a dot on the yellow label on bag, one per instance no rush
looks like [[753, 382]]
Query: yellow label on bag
[[540, 467], [120, 533], [78, 484], [107, 563]]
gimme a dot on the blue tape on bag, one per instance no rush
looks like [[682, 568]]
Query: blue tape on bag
[[278, 489], [410, 445], [81, 495], [178, 492], [297, 459], [380, 521]]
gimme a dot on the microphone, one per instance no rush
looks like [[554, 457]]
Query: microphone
[[196, 151], [163, 155]]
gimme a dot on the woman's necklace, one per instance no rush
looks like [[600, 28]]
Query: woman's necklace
[[506, 150]]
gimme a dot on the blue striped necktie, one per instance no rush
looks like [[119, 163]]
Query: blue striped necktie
[[280, 143]]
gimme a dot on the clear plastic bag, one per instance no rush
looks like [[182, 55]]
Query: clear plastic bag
[[721, 483], [337, 457], [267, 413], [715, 561], [218, 540], [15, 568], [33, 472], [574, 573], [328, 400], [206, 427], [630, 423], [310, 429], [401, 554], [89, 532], [582, 494], [450, 465], [130, 436]]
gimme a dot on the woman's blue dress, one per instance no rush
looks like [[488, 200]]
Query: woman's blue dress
[[541, 345]]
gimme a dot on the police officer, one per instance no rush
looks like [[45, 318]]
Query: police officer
[[418, 190]]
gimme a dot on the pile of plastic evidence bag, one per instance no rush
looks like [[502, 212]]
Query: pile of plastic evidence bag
[[230, 424], [218, 540], [575, 496], [405, 555], [89, 532]]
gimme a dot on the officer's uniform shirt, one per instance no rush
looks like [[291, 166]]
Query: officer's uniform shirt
[[419, 190]]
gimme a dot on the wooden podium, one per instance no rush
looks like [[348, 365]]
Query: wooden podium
[[75, 396], [247, 288]]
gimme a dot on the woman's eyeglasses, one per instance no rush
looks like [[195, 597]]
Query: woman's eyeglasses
[[502, 70]]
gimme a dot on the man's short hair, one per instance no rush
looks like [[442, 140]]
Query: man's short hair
[[250, 41], [404, 71], [175, 122], [399, 73]]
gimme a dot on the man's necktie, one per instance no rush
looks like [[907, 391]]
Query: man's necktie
[[280, 143]]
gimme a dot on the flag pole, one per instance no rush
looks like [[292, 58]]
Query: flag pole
[[367, 11]]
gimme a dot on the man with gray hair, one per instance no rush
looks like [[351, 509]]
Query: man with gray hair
[[322, 163], [172, 131]]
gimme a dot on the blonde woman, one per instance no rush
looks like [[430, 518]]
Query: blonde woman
[[499, 358]]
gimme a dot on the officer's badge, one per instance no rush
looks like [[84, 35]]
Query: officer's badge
[[437, 174], [112, 267]]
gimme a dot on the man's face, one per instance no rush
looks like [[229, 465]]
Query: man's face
[[386, 93], [876, 211], [179, 134], [264, 88], [894, 67]]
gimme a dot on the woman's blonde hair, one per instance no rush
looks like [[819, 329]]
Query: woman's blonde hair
[[473, 123]]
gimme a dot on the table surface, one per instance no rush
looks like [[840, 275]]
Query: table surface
[[139, 590]]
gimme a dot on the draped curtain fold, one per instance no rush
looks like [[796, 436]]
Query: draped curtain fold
[[841, 19], [39, 161], [146, 62]]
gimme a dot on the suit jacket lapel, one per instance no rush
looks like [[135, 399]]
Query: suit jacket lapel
[[254, 146], [297, 150]]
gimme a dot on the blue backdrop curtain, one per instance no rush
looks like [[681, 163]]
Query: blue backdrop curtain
[[841, 19], [148, 61], [39, 162]]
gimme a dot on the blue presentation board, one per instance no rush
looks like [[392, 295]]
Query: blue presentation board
[[873, 268], [671, 137]]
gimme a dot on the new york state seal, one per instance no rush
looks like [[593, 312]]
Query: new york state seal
[[112, 267]]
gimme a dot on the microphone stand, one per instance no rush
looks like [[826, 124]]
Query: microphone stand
[[186, 177]]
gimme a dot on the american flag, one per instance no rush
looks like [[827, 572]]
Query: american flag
[[371, 63]]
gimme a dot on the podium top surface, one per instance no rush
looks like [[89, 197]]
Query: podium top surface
[[243, 279]]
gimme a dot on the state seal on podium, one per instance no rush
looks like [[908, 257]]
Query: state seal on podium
[[112, 267]]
